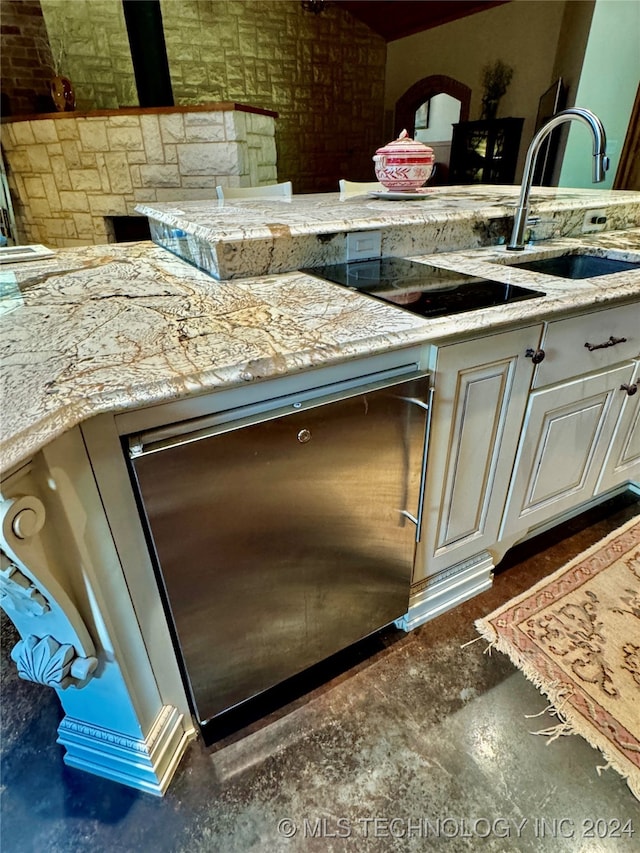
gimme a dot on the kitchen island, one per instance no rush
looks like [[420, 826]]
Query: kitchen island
[[103, 341]]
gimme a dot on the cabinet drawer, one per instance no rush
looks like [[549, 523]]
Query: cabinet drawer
[[565, 343]]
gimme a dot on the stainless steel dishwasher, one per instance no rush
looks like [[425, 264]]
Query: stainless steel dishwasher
[[284, 533]]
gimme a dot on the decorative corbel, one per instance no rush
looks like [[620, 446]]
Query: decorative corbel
[[17, 591], [56, 648]]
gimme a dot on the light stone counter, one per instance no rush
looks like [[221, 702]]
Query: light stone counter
[[235, 239], [120, 327]]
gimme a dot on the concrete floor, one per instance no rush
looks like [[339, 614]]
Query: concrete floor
[[424, 729]]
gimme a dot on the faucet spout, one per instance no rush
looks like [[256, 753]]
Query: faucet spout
[[600, 164]]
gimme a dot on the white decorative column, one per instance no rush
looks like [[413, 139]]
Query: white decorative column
[[116, 724]]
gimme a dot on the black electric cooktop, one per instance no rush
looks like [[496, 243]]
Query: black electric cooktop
[[422, 288]]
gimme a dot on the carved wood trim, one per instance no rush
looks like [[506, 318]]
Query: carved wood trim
[[44, 661], [18, 593], [146, 763], [56, 648]]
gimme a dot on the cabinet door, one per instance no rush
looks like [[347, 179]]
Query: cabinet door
[[567, 433], [481, 390], [622, 464]]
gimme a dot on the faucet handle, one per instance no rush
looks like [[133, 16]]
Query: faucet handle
[[600, 166]]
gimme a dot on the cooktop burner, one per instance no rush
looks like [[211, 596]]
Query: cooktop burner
[[422, 288]]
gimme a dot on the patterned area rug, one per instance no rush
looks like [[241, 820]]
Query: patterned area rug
[[576, 636]]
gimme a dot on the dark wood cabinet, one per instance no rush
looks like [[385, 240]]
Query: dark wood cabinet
[[485, 152]]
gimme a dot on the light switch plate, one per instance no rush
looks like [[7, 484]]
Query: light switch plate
[[362, 245], [594, 220]]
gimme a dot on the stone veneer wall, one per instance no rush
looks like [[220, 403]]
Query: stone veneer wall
[[323, 74], [68, 171]]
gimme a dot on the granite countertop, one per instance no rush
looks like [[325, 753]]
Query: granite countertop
[[226, 221], [123, 326], [250, 237]]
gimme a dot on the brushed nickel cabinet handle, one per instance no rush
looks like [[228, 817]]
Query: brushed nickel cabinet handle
[[536, 355], [630, 389], [427, 405], [611, 342]]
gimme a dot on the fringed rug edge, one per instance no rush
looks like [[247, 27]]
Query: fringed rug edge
[[545, 581], [569, 723]]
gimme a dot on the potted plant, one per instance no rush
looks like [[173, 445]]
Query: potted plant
[[60, 86], [496, 77]]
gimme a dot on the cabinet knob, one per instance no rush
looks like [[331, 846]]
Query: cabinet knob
[[536, 355], [630, 389]]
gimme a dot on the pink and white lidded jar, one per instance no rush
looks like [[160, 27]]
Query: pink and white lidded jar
[[404, 164]]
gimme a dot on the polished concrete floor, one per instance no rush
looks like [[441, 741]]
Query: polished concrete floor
[[423, 745]]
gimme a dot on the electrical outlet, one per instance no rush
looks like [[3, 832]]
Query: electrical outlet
[[594, 220], [362, 245]]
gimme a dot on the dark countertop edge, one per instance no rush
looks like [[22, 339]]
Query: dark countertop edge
[[221, 106]]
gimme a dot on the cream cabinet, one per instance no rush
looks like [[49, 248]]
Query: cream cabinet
[[581, 435], [622, 463], [568, 431], [527, 426], [481, 392]]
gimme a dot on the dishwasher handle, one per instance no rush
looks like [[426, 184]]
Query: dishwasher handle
[[172, 434], [427, 405]]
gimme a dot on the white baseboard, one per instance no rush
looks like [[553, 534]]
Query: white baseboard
[[146, 764], [447, 589]]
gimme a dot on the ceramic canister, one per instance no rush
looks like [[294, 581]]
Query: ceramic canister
[[404, 164]]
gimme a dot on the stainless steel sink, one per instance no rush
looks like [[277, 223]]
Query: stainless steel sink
[[577, 266]]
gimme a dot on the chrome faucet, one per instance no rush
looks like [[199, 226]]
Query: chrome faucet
[[600, 164]]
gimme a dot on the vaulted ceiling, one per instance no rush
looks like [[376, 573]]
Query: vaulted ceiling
[[394, 19]]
